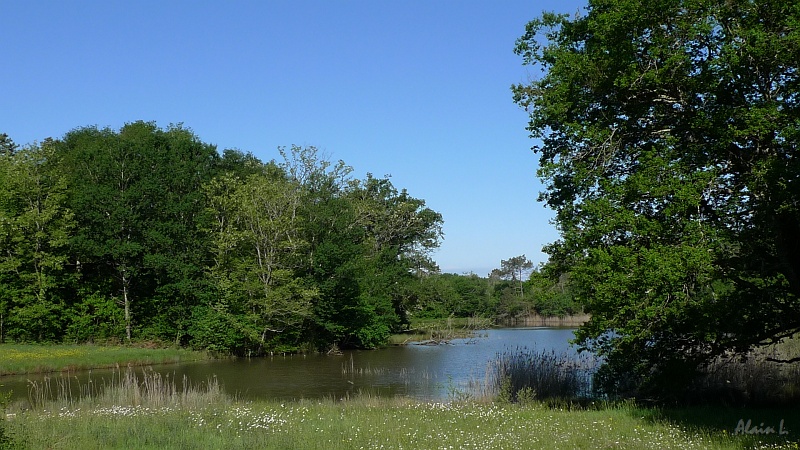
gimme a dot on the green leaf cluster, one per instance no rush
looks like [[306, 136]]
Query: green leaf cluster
[[667, 133]]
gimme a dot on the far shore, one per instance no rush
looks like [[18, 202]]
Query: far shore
[[536, 320], [19, 359]]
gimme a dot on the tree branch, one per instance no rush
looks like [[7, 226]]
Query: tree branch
[[784, 361]]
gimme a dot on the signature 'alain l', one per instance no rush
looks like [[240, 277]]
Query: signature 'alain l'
[[747, 428]]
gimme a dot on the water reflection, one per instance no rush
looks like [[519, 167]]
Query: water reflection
[[417, 371]]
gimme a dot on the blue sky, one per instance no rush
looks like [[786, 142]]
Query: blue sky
[[419, 90]]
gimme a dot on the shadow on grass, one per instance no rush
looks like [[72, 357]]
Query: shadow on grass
[[746, 428]]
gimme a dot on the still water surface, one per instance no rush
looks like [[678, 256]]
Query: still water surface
[[418, 371]]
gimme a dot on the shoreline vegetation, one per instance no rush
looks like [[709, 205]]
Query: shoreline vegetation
[[529, 397], [444, 330], [441, 331], [758, 379], [20, 359], [141, 409], [352, 266], [538, 320]]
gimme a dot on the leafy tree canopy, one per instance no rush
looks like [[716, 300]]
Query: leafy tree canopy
[[667, 134], [150, 234]]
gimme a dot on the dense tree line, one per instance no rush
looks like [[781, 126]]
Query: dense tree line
[[150, 234], [514, 290], [668, 141]]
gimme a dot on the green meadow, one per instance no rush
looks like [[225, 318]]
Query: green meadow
[[373, 423], [31, 358], [142, 410]]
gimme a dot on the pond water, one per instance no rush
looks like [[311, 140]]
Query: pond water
[[423, 372]]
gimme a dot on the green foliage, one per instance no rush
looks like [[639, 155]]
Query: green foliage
[[368, 244], [545, 293], [137, 199], [35, 225], [95, 317], [147, 233], [213, 328], [255, 236], [552, 293], [436, 297], [514, 270], [667, 134]]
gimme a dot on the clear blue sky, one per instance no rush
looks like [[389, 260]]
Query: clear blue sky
[[419, 90]]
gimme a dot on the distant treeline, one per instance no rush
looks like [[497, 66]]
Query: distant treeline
[[151, 234], [499, 296]]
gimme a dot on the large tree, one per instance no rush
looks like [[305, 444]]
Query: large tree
[[401, 232], [35, 226], [514, 270], [667, 134], [257, 236], [137, 199]]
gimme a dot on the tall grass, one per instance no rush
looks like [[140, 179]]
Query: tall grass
[[6, 439], [752, 379], [736, 382], [131, 388], [525, 375]]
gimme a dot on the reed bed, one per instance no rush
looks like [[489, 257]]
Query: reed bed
[[536, 320], [134, 388], [349, 369], [524, 375]]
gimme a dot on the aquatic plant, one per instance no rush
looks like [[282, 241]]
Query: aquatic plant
[[525, 375]]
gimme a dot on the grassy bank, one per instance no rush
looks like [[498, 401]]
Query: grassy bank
[[24, 358], [142, 409], [440, 330], [373, 423]]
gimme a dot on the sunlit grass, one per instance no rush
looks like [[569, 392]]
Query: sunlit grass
[[367, 423], [788, 347], [24, 358], [142, 410]]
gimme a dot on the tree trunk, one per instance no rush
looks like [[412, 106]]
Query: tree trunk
[[127, 303]]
